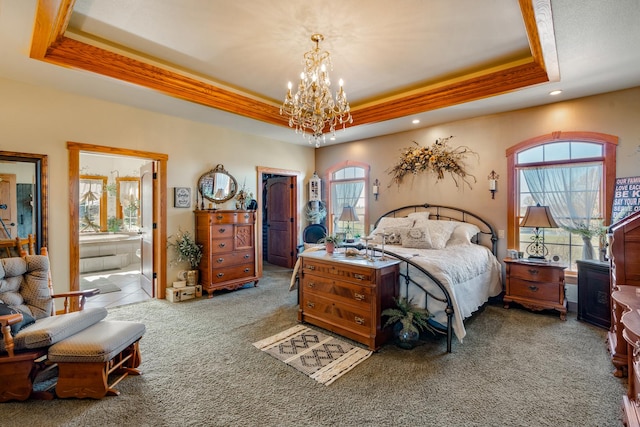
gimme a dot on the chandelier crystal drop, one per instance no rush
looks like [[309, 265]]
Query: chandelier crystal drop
[[312, 108]]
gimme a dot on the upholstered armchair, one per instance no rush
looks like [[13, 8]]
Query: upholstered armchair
[[28, 322]]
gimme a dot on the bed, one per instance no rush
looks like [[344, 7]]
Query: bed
[[448, 261]]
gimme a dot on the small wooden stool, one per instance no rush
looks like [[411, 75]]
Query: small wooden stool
[[86, 359]]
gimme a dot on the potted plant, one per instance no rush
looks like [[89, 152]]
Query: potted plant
[[408, 320], [187, 250], [330, 241]]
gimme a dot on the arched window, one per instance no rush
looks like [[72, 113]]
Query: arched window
[[348, 182], [571, 172]]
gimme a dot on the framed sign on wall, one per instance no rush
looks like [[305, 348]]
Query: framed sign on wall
[[182, 197], [626, 199]]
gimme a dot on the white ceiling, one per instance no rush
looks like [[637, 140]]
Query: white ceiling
[[380, 48]]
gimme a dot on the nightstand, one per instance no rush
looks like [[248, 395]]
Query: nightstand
[[537, 285]]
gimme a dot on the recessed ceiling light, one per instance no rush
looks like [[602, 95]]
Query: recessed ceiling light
[[555, 92], [415, 121]]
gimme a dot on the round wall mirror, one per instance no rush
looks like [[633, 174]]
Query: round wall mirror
[[217, 185]]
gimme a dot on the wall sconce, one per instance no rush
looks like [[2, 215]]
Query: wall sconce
[[493, 183], [376, 188]]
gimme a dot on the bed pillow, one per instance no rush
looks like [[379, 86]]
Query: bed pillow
[[419, 217], [417, 237], [439, 231], [463, 234], [392, 226]]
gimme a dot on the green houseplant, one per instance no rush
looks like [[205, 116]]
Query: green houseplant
[[407, 320], [330, 241], [187, 250]]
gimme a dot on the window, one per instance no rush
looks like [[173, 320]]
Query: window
[[572, 173], [93, 203], [347, 182]]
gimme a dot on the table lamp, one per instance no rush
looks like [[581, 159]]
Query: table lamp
[[538, 217], [348, 215]]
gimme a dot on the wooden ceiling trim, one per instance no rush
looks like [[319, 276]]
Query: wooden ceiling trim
[[49, 45]]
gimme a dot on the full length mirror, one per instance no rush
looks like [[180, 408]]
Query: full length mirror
[[217, 185], [23, 197]]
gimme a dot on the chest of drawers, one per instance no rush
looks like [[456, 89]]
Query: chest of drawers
[[535, 285], [346, 295], [229, 250]]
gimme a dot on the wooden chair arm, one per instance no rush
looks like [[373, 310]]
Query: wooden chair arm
[[6, 321], [83, 295]]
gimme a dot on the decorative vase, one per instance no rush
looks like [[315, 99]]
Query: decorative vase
[[330, 247], [192, 277], [405, 338]]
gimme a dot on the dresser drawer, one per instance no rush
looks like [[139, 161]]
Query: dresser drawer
[[221, 231], [337, 290], [221, 245], [231, 273], [342, 315], [232, 258], [353, 274], [534, 290], [536, 273]]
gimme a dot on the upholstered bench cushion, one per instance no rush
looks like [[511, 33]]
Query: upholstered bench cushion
[[98, 343], [50, 330]]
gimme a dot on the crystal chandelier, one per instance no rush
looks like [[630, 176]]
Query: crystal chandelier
[[312, 108]]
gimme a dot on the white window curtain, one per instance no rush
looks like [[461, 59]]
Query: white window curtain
[[572, 194], [344, 194]]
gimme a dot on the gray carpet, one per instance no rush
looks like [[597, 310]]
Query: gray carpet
[[104, 284], [515, 368]]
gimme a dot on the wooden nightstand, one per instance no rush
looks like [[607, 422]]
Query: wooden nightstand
[[536, 285]]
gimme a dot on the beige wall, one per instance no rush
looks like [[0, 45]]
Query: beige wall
[[616, 113], [40, 120]]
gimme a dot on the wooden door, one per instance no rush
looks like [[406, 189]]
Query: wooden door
[[280, 221], [147, 184], [8, 206]]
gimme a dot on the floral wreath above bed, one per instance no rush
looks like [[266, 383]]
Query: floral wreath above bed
[[437, 158]]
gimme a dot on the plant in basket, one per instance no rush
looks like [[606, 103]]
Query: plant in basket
[[408, 320]]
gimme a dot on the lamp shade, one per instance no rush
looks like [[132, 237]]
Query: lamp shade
[[538, 217], [348, 214]]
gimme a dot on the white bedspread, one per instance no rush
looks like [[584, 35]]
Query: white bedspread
[[471, 274]]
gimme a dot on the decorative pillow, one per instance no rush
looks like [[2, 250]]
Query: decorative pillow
[[15, 328], [419, 217], [463, 234], [391, 226], [417, 237], [439, 231]]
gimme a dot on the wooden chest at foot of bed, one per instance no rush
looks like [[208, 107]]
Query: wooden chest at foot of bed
[[347, 294]]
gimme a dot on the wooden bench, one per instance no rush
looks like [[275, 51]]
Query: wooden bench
[[87, 359]]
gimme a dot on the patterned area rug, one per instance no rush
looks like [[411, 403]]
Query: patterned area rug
[[322, 357]]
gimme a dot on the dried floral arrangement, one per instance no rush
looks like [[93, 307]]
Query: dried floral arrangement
[[437, 158]]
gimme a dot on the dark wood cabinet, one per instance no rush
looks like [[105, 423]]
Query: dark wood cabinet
[[594, 293]]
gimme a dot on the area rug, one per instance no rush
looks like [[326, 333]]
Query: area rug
[[104, 285], [322, 357]]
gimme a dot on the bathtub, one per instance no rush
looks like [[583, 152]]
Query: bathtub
[[108, 251]]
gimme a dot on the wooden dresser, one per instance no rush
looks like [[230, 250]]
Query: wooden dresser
[[346, 295], [535, 285], [229, 249], [624, 253]]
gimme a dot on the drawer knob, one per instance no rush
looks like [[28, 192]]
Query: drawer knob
[[219, 216], [247, 269], [533, 288], [247, 256], [532, 271], [221, 230], [246, 216], [359, 320], [310, 305], [311, 285], [359, 276], [358, 297], [220, 274], [310, 267], [220, 260], [222, 245]]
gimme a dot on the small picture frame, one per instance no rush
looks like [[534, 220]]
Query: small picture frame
[[181, 197]]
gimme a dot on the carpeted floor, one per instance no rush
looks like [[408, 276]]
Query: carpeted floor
[[515, 368]]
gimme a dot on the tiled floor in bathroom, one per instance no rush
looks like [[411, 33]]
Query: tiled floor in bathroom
[[127, 279]]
